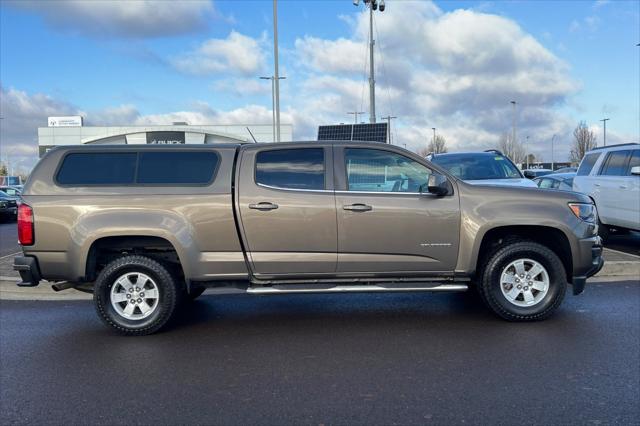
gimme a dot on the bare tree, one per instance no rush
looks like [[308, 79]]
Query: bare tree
[[438, 145], [423, 152], [511, 148], [583, 140]]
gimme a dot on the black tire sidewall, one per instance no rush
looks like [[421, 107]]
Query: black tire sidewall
[[503, 257], [166, 294]]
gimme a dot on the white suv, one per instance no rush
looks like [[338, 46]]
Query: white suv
[[611, 176]]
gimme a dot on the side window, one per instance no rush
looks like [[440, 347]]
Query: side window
[[297, 168], [546, 183], [616, 163], [373, 170], [634, 161], [175, 167], [98, 168], [587, 164]]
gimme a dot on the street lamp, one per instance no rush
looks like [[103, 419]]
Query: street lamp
[[526, 147], [604, 120], [372, 5], [356, 114], [273, 102], [552, 162]]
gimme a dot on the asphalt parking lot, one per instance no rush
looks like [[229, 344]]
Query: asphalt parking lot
[[327, 359]]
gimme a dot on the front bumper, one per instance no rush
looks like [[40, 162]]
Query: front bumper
[[28, 269], [597, 262]]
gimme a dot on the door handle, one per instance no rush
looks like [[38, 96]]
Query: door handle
[[263, 206], [596, 184], [358, 208], [623, 186]]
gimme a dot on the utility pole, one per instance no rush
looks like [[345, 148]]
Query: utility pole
[[514, 122], [273, 102], [552, 162], [356, 113], [372, 5], [604, 120], [388, 118], [276, 76]]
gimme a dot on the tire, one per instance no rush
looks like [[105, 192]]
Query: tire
[[539, 294], [118, 287]]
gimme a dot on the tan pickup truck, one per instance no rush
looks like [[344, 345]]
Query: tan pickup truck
[[145, 228]]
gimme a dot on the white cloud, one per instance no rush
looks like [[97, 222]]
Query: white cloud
[[243, 87], [238, 54], [115, 18], [456, 71]]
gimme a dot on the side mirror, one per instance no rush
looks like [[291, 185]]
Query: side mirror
[[635, 170], [529, 174], [437, 185]]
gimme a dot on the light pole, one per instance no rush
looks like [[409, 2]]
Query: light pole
[[371, 5], [275, 65], [514, 122], [552, 162], [356, 114], [273, 102], [526, 147], [604, 120], [388, 118]]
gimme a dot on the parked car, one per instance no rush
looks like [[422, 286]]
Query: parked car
[[8, 207], [11, 191], [481, 168], [146, 227], [562, 181], [566, 170], [534, 173], [610, 175]]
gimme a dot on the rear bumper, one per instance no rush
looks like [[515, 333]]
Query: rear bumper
[[597, 262], [28, 269]]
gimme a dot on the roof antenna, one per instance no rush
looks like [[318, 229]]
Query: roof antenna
[[254, 139]]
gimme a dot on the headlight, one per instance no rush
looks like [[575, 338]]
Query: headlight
[[3, 204], [586, 212]]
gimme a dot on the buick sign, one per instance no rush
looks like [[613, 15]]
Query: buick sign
[[165, 138]]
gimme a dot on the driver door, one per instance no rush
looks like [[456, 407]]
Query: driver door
[[386, 226]]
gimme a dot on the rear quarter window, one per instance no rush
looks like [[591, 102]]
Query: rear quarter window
[[98, 168], [138, 168], [587, 164], [191, 168]]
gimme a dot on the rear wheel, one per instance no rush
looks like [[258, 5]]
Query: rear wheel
[[135, 295], [523, 281]]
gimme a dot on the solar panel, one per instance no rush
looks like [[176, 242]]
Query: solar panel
[[374, 132]]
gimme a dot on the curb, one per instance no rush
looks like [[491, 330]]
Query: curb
[[622, 268]]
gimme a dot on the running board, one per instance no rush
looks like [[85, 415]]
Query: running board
[[377, 288]]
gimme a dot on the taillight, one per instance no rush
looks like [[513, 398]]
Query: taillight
[[25, 225]]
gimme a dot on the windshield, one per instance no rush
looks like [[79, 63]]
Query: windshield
[[478, 166]]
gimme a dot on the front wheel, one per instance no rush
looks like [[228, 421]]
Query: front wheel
[[523, 281], [135, 295]]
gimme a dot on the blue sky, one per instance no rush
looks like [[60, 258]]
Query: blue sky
[[563, 61]]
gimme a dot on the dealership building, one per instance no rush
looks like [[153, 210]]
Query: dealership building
[[71, 131]]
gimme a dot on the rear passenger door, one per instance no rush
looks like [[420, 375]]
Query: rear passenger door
[[614, 201], [286, 206]]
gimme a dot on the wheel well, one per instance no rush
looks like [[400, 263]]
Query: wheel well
[[552, 238], [105, 250]]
